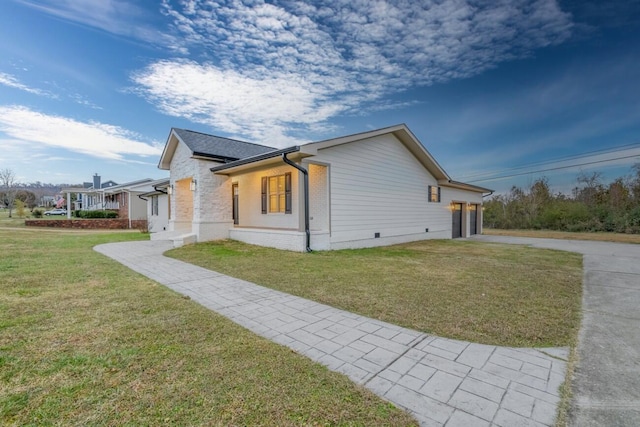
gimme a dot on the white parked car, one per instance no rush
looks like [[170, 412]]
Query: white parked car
[[56, 211]]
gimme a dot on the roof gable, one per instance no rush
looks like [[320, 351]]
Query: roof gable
[[209, 146], [404, 135], [127, 185]]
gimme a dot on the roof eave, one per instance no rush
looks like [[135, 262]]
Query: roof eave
[[169, 150], [464, 186], [262, 160], [213, 157]]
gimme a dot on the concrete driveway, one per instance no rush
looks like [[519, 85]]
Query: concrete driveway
[[606, 383]]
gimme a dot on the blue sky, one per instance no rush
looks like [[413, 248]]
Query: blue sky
[[490, 87]]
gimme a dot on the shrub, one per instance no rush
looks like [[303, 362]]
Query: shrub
[[20, 208], [37, 213], [98, 214]]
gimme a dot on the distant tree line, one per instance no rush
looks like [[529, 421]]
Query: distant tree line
[[29, 195], [592, 206]]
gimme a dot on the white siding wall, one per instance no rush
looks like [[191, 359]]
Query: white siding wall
[[138, 206], [158, 222], [378, 186], [318, 197], [250, 203]]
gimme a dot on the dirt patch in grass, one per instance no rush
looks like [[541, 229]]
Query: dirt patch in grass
[[487, 293], [86, 341], [566, 235]]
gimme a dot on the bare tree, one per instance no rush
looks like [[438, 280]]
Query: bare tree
[[591, 188], [8, 185]]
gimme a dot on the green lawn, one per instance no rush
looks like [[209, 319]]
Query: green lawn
[[14, 221], [486, 293], [85, 341]]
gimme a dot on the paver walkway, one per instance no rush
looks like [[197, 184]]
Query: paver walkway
[[606, 383], [442, 382]]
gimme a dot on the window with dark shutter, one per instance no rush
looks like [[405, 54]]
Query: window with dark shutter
[[276, 194]]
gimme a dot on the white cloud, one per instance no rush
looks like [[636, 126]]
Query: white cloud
[[274, 68], [272, 71], [91, 138], [249, 105], [11, 81]]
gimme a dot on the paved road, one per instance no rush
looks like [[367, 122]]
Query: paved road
[[442, 382], [606, 384]]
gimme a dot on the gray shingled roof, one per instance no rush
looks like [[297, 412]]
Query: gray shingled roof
[[218, 147]]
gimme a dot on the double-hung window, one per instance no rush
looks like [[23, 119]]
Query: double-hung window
[[434, 194], [276, 194], [154, 205]]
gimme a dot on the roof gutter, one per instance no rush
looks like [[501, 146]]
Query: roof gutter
[[307, 230], [155, 187], [253, 159]]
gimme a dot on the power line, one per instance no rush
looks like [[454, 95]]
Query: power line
[[552, 169], [547, 162]]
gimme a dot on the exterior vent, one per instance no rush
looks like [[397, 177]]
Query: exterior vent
[[376, 235]]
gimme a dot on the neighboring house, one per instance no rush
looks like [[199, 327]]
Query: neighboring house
[[91, 196], [158, 213], [47, 201], [369, 189], [122, 198]]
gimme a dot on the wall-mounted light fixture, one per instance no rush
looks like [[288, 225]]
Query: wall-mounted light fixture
[[193, 184], [170, 190]]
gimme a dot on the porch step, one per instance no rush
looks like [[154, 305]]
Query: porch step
[[178, 238]]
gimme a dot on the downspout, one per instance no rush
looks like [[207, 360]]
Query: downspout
[[306, 198]]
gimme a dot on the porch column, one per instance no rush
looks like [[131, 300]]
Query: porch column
[[68, 205]]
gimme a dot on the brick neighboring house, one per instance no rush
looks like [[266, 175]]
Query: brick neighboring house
[[91, 198], [122, 198]]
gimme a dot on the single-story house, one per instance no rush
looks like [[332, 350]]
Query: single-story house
[[368, 189]]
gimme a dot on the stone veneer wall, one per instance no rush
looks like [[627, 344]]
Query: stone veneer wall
[[109, 224]]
